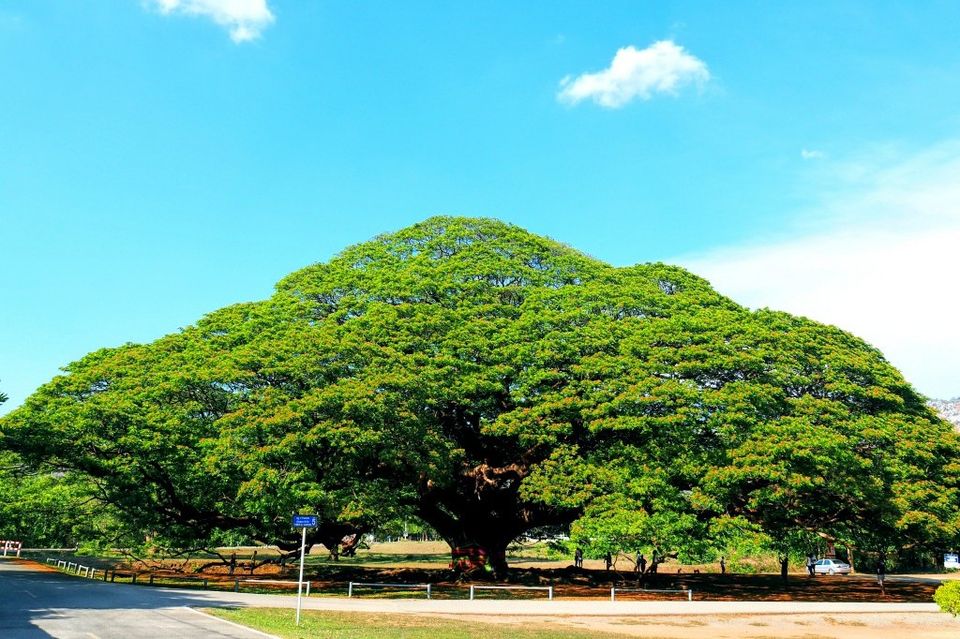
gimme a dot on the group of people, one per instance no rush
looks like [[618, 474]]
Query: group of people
[[607, 560], [641, 562], [578, 559], [641, 565]]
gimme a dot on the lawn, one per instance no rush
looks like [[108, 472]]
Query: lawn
[[315, 624]]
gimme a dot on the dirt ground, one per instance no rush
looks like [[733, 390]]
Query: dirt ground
[[792, 626], [568, 582]]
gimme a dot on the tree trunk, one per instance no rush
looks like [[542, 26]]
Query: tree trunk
[[350, 547], [332, 536], [482, 507], [475, 529], [498, 561], [474, 554], [784, 565]]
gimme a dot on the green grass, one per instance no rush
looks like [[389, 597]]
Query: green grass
[[316, 624]]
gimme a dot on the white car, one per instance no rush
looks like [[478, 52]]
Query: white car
[[831, 567]]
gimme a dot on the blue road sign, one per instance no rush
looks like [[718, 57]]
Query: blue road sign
[[304, 521]]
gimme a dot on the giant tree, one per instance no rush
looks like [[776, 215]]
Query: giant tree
[[491, 381]]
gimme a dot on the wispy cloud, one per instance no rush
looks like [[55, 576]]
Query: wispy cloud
[[878, 256], [244, 19], [812, 154], [663, 67]]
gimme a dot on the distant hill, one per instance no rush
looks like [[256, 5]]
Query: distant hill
[[949, 409]]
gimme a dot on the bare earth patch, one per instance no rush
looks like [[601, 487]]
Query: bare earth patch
[[796, 626]]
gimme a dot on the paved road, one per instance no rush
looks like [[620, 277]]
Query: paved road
[[50, 604], [36, 604]]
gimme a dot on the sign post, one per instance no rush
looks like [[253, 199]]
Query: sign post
[[303, 522], [951, 561]]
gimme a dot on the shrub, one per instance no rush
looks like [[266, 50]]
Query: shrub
[[947, 597]]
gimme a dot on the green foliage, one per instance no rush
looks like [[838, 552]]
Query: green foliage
[[947, 597], [489, 381], [409, 527], [42, 509]]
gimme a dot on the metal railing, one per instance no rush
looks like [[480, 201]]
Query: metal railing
[[76, 568], [10, 546], [91, 573], [111, 575]]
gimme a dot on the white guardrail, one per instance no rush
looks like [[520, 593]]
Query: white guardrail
[[91, 572], [11, 546], [614, 591], [88, 571]]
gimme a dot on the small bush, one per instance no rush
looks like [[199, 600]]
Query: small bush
[[947, 597]]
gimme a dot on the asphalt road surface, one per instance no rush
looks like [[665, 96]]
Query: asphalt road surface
[[36, 604]]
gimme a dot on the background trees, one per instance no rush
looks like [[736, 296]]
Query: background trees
[[489, 381]]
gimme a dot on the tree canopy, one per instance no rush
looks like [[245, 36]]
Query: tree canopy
[[490, 381]]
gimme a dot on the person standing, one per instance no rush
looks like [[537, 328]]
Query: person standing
[[578, 557], [641, 564], [810, 563], [881, 575], [608, 560], [723, 565]]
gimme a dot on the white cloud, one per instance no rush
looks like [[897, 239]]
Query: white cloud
[[812, 154], [244, 19], [878, 256], [663, 67]]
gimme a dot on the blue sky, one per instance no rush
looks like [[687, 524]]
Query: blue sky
[[160, 159]]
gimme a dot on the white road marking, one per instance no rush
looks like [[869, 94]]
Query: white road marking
[[29, 593], [237, 625]]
